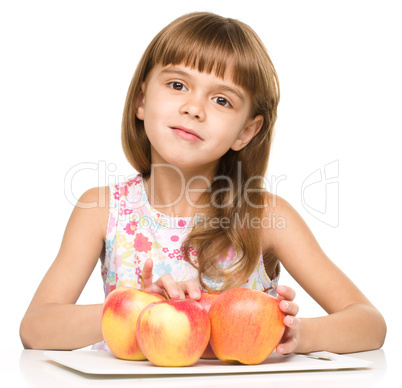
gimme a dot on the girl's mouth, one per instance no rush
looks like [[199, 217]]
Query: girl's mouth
[[186, 133]]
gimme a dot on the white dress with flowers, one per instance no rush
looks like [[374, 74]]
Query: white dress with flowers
[[136, 231]]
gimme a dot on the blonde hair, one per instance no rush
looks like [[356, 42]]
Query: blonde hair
[[212, 43]]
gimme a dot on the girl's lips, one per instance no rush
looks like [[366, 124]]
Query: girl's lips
[[186, 133]]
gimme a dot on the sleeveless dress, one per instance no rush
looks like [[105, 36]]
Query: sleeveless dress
[[136, 231]]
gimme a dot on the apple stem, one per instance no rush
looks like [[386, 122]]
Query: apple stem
[[267, 289], [207, 288], [142, 283], [165, 294]]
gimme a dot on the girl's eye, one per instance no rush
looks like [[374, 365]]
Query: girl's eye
[[221, 101], [177, 86]]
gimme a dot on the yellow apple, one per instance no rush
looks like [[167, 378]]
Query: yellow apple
[[121, 310], [173, 332]]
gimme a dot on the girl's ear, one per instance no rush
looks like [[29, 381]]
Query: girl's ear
[[139, 105], [249, 131]]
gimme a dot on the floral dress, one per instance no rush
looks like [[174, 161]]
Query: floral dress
[[136, 231]]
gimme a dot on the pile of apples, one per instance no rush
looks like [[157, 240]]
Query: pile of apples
[[237, 325]]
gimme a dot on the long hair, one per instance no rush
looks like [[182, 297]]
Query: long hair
[[211, 43]]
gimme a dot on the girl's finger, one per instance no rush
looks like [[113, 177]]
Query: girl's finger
[[192, 289], [147, 272], [170, 286], [288, 346], [285, 293], [292, 323], [289, 308]]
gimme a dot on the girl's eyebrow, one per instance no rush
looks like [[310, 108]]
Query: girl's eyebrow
[[178, 72], [226, 88], [222, 87]]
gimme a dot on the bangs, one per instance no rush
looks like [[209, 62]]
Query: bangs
[[211, 45]]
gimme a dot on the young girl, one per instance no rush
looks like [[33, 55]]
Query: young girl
[[197, 126]]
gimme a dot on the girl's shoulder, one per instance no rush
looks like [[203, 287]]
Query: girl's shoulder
[[276, 205], [95, 197], [94, 204], [279, 221], [288, 236]]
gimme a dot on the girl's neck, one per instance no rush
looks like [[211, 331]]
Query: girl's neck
[[175, 192]]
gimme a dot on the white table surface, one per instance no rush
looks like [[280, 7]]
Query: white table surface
[[31, 368]]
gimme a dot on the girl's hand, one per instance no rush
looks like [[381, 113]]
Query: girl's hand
[[175, 290], [291, 337]]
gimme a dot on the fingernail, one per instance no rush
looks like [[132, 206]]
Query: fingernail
[[195, 295], [285, 305]]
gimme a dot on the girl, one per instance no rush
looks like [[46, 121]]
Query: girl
[[197, 126]]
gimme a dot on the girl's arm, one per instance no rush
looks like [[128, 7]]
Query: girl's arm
[[52, 320], [353, 324]]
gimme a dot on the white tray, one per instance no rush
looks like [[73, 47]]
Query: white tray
[[105, 363]]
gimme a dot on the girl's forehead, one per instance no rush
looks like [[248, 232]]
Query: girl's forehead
[[185, 70]]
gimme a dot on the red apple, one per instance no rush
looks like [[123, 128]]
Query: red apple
[[173, 332], [246, 326], [206, 300], [121, 310]]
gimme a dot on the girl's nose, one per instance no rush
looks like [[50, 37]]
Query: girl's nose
[[194, 109]]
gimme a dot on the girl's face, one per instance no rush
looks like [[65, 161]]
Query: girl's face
[[193, 118]]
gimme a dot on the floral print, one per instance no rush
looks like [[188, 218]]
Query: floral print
[[136, 231], [162, 268], [131, 227]]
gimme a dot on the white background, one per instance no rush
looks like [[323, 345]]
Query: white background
[[65, 70]]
